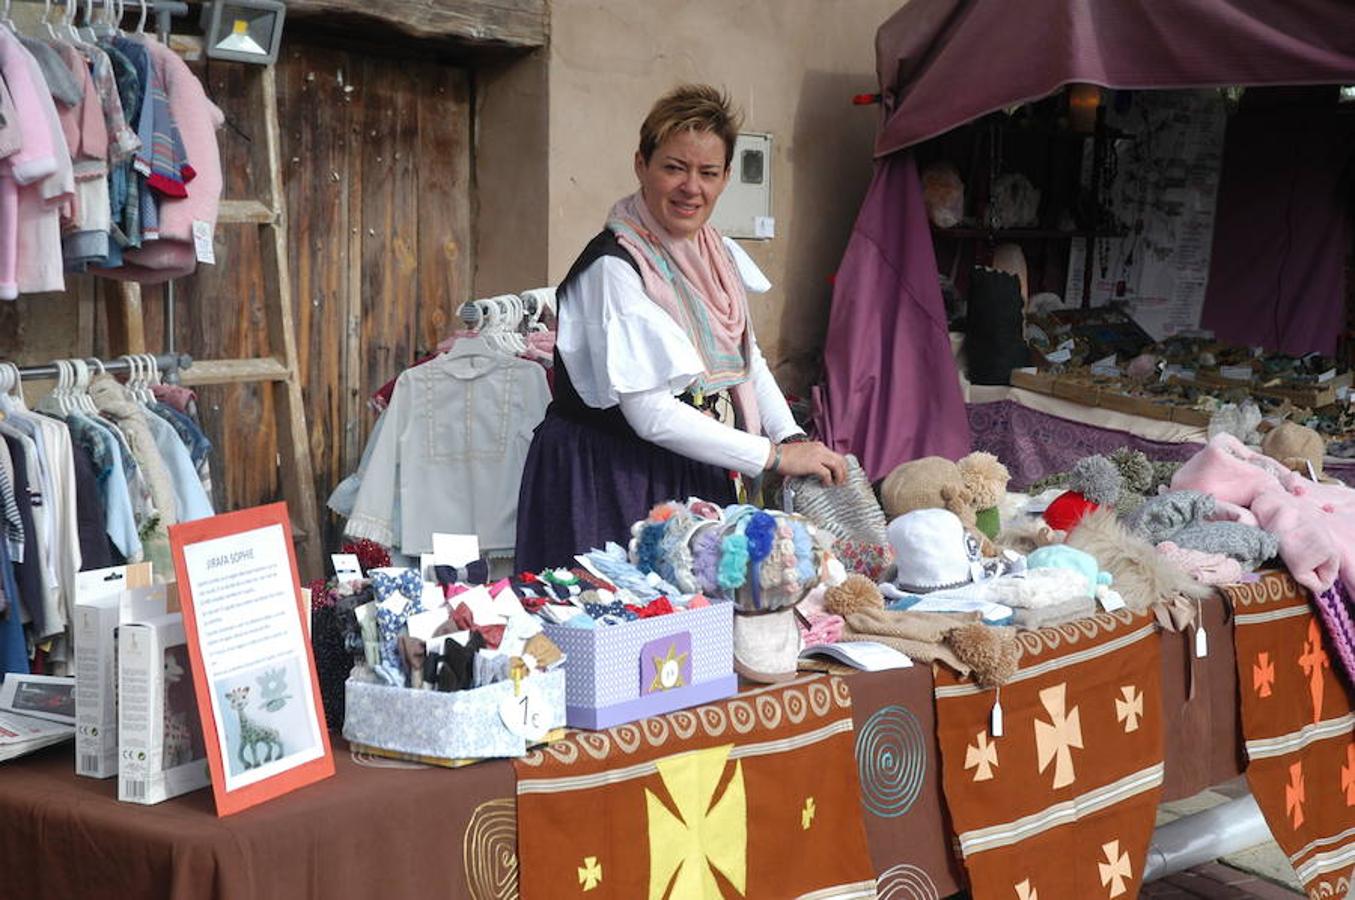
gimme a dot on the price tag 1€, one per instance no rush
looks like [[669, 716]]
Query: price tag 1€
[[525, 713]]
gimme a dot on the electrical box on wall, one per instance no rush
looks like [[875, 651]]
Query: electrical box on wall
[[745, 207]]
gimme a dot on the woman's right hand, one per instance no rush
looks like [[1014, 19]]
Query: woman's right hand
[[812, 459]]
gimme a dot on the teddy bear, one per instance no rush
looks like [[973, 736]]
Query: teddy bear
[[986, 479]]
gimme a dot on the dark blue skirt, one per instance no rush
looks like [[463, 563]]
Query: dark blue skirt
[[584, 485]]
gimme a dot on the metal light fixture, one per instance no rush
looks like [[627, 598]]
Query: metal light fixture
[[243, 30]]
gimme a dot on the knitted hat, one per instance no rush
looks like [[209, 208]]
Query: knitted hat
[[1067, 510], [766, 645], [932, 482], [933, 551]]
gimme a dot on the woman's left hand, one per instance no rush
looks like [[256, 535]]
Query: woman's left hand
[[812, 459]]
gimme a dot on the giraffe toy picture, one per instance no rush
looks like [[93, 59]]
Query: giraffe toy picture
[[257, 743]]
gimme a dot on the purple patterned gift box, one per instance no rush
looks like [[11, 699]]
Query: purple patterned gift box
[[619, 673]]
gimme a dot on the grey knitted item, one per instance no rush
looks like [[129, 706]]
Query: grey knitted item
[[1097, 479], [1135, 470], [1159, 518], [1249, 545]]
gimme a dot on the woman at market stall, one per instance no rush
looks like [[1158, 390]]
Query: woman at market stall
[[661, 391]]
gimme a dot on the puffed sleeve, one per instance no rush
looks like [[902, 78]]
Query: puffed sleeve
[[614, 340]]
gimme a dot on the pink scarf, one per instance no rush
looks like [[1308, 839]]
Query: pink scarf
[[695, 281]]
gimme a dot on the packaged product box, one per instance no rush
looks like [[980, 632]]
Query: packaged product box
[[161, 752], [99, 596]]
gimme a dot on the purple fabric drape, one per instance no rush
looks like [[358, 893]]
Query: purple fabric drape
[[942, 63], [1277, 272], [891, 392]]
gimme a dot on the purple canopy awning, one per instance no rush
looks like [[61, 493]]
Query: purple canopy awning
[[942, 63], [890, 393]]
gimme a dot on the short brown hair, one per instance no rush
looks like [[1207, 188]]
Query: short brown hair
[[694, 107]]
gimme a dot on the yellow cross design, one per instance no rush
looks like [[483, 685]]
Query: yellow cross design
[[707, 834], [1115, 869], [807, 814], [590, 873], [668, 670], [1055, 739], [1024, 891], [981, 756], [1130, 709]]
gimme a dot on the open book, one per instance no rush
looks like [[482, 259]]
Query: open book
[[868, 656]]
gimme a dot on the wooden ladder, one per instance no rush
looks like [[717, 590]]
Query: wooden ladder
[[278, 368]]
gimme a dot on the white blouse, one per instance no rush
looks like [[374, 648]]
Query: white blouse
[[622, 349]]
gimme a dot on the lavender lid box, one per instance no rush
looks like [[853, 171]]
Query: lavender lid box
[[619, 673]]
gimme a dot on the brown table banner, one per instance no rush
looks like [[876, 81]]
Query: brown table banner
[[1062, 803], [1299, 731], [755, 796]]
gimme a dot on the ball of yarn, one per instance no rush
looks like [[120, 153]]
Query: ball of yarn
[[855, 594]]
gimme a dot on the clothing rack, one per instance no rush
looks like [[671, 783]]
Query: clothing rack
[[170, 363]]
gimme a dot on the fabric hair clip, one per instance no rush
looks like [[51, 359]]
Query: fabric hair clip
[[732, 571], [675, 556]]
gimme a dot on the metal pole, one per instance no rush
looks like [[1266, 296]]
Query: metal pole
[[165, 362]]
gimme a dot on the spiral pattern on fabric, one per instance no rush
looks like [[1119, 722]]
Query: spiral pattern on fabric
[[891, 759], [489, 851], [905, 882]]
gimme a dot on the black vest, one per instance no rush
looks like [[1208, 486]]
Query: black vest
[[567, 401]]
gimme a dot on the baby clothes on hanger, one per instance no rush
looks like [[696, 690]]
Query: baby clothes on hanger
[[449, 456]]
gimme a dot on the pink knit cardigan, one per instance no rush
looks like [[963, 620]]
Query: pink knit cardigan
[[1315, 523]]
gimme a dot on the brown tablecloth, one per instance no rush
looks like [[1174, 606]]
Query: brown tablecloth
[[385, 829]]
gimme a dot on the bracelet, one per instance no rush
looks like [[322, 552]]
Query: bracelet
[[776, 460], [798, 438]]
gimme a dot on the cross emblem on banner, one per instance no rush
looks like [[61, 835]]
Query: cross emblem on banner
[[1025, 892], [1115, 870], [1348, 776], [1263, 674], [807, 814], [1294, 794], [1130, 709], [590, 873], [981, 756], [708, 834], [1055, 739], [1314, 660]]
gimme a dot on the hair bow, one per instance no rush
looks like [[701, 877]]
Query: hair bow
[[474, 572], [391, 622], [615, 608], [407, 582]]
